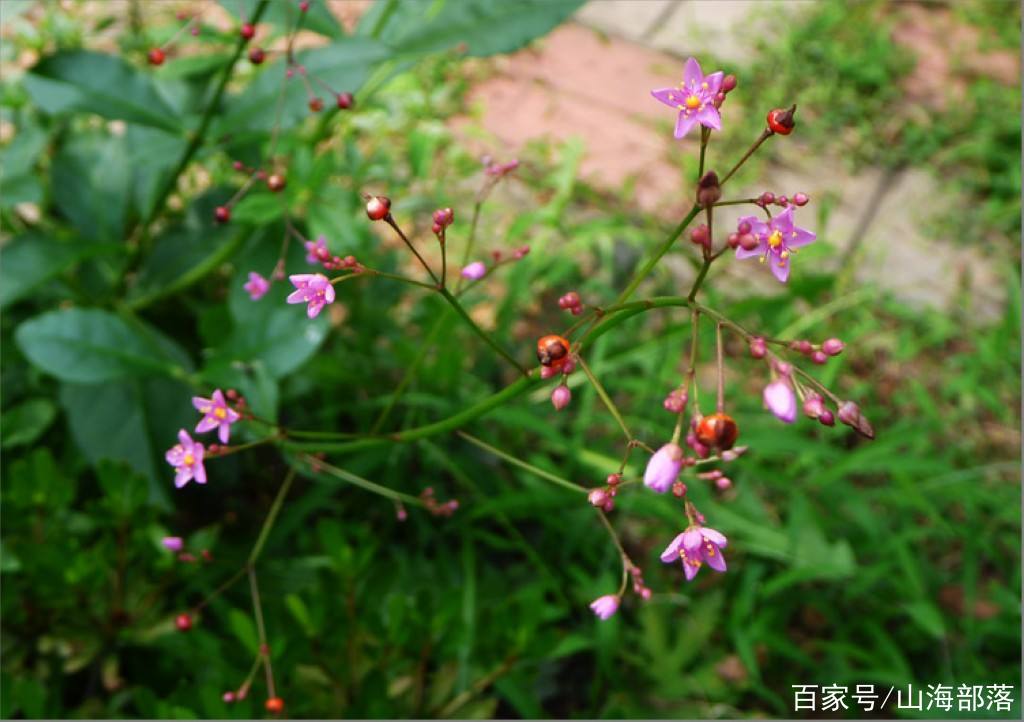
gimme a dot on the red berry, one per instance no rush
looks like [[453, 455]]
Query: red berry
[[276, 182], [718, 431], [316, 105], [257, 56], [781, 121], [247, 31], [378, 207], [183, 622], [345, 100], [156, 56], [274, 705], [304, 5], [222, 214]]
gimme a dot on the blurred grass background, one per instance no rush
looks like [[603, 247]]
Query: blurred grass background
[[892, 562]]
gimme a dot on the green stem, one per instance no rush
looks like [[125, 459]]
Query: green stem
[[454, 303], [389, 219], [522, 464], [363, 483], [268, 523], [605, 398], [699, 281], [765, 134], [658, 253], [410, 373], [468, 249]]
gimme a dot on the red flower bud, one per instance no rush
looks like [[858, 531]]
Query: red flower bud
[[247, 31], [222, 214], [156, 56], [729, 83], [257, 56], [316, 105], [378, 207], [345, 101], [183, 622]]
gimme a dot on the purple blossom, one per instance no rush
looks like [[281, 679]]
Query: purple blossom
[[316, 251], [663, 468], [694, 98], [780, 400], [777, 240], [173, 543], [604, 607], [216, 415], [696, 546], [257, 286], [474, 271], [311, 288], [187, 459]]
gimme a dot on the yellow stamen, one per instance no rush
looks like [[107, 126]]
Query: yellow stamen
[[220, 413], [189, 459], [775, 239], [692, 102], [784, 255]]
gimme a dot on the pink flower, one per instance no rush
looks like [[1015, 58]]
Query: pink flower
[[780, 400], [694, 98], [216, 415], [777, 240], [173, 543], [696, 546], [316, 251], [474, 271], [604, 607], [311, 288], [663, 468], [187, 459], [257, 286]]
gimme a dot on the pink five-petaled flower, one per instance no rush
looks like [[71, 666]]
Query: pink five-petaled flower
[[474, 271], [187, 459], [694, 99], [316, 251], [696, 546], [173, 543], [216, 415], [311, 288], [780, 400], [776, 241], [257, 286], [604, 607], [663, 468]]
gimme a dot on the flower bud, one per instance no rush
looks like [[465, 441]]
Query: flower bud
[[561, 397], [474, 271], [826, 418], [183, 622], [708, 189], [780, 400], [679, 490], [758, 348], [597, 497], [733, 241], [663, 468], [378, 207], [604, 607], [767, 198], [723, 483], [782, 201], [833, 347], [276, 182], [316, 105], [699, 236], [729, 83], [743, 227], [156, 56], [247, 31], [257, 56], [228, 697], [676, 400], [819, 357], [222, 214], [800, 199], [547, 372], [173, 543], [803, 346], [850, 414], [814, 405], [748, 241]]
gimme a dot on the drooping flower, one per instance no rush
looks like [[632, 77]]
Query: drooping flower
[[187, 459], [780, 400], [474, 271], [173, 543], [777, 241], [257, 286], [694, 98], [663, 468], [313, 289], [316, 251], [561, 396], [604, 607], [216, 415], [696, 546]]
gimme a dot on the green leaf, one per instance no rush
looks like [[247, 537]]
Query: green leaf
[[125, 491], [37, 481], [89, 345], [927, 616], [26, 422], [92, 185], [31, 260], [97, 83], [487, 27], [285, 14], [244, 629]]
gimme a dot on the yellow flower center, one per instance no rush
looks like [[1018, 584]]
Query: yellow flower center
[[189, 460], [220, 413], [775, 239], [692, 102]]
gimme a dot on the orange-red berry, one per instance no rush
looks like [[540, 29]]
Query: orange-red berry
[[316, 105], [222, 214], [274, 705], [718, 431], [276, 182], [257, 56], [247, 31], [378, 207], [552, 351], [781, 121], [156, 56], [345, 100], [183, 622]]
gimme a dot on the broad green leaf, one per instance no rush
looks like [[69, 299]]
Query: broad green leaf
[[244, 629], [486, 27], [89, 346], [125, 491], [27, 421], [97, 83], [91, 182], [280, 336], [37, 480], [152, 155], [285, 15], [31, 260]]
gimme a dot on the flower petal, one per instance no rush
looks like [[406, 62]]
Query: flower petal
[[224, 432], [199, 471], [329, 293], [297, 296], [708, 116], [715, 537], [780, 268], [671, 552], [690, 570], [314, 308], [692, 75], [693, 540], [184, 439], [183, 476], [202, 405], [783, 221], [205, 424], [800, 237], [760, 250], [713, 557], [671, 97], [714, 82], [685, 123]]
